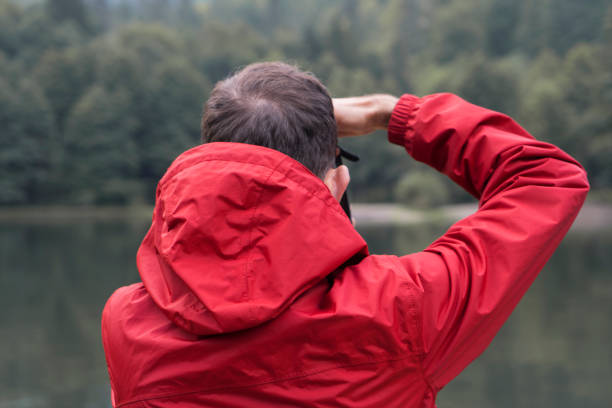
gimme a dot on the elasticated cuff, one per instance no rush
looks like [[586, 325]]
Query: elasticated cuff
[[402, 118]]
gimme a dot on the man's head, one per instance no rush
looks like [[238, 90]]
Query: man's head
[[275, 105]]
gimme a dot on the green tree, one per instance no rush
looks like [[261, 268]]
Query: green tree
[[574, 22], [72, 10], [63, 76], [585, 76], [422, 189], [502, 17], [533, 26], [489, 84], [548, 62], [25, 143], [118, 68], [543, 108], [404, 35], [170, 116], [100, 155], [588, 77], [241, 45], [459, 29], [10, 17], [149, 42]]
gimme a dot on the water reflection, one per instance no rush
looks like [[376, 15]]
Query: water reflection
[[553, 352], [55, 280]]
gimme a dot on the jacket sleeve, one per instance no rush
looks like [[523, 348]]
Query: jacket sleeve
[[470, 279]]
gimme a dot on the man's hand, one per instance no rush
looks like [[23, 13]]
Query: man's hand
[[363, 114]]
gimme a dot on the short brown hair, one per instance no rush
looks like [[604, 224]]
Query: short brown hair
[[275, 105]]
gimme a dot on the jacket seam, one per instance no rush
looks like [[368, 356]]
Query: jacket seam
[[417, 322], [105, 346], [274, 169], [253, 226], [288, 377], [463, 344]]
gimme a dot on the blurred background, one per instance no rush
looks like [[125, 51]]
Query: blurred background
[[97, 97]]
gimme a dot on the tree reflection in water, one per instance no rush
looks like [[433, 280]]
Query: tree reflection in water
[[554, 351]]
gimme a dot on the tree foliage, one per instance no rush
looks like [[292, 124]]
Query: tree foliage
[[97, 97], [99, 129], [26, 142]]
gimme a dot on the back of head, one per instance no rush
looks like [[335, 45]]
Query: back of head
[[275, 105]]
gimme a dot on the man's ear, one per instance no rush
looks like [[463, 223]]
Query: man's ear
[[337, 181]]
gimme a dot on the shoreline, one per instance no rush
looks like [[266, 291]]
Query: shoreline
[[591, 217]]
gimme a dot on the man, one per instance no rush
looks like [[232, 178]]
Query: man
[[257, 290]]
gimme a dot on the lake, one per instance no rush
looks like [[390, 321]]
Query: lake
[[554, 351]]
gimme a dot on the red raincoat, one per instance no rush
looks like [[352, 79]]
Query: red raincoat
[[257, 290]]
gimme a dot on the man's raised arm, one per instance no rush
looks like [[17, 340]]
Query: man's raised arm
[[529, 192]]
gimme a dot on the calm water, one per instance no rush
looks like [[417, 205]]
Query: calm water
[[555, 351]]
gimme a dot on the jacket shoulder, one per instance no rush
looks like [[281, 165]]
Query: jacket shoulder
[[380, 288], [122, 296]]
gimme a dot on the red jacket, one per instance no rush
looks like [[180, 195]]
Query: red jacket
[[257, 290]]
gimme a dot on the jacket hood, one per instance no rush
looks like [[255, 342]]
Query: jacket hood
[[239, 232]]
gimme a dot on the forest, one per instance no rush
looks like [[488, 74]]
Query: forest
[[97, 97]]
